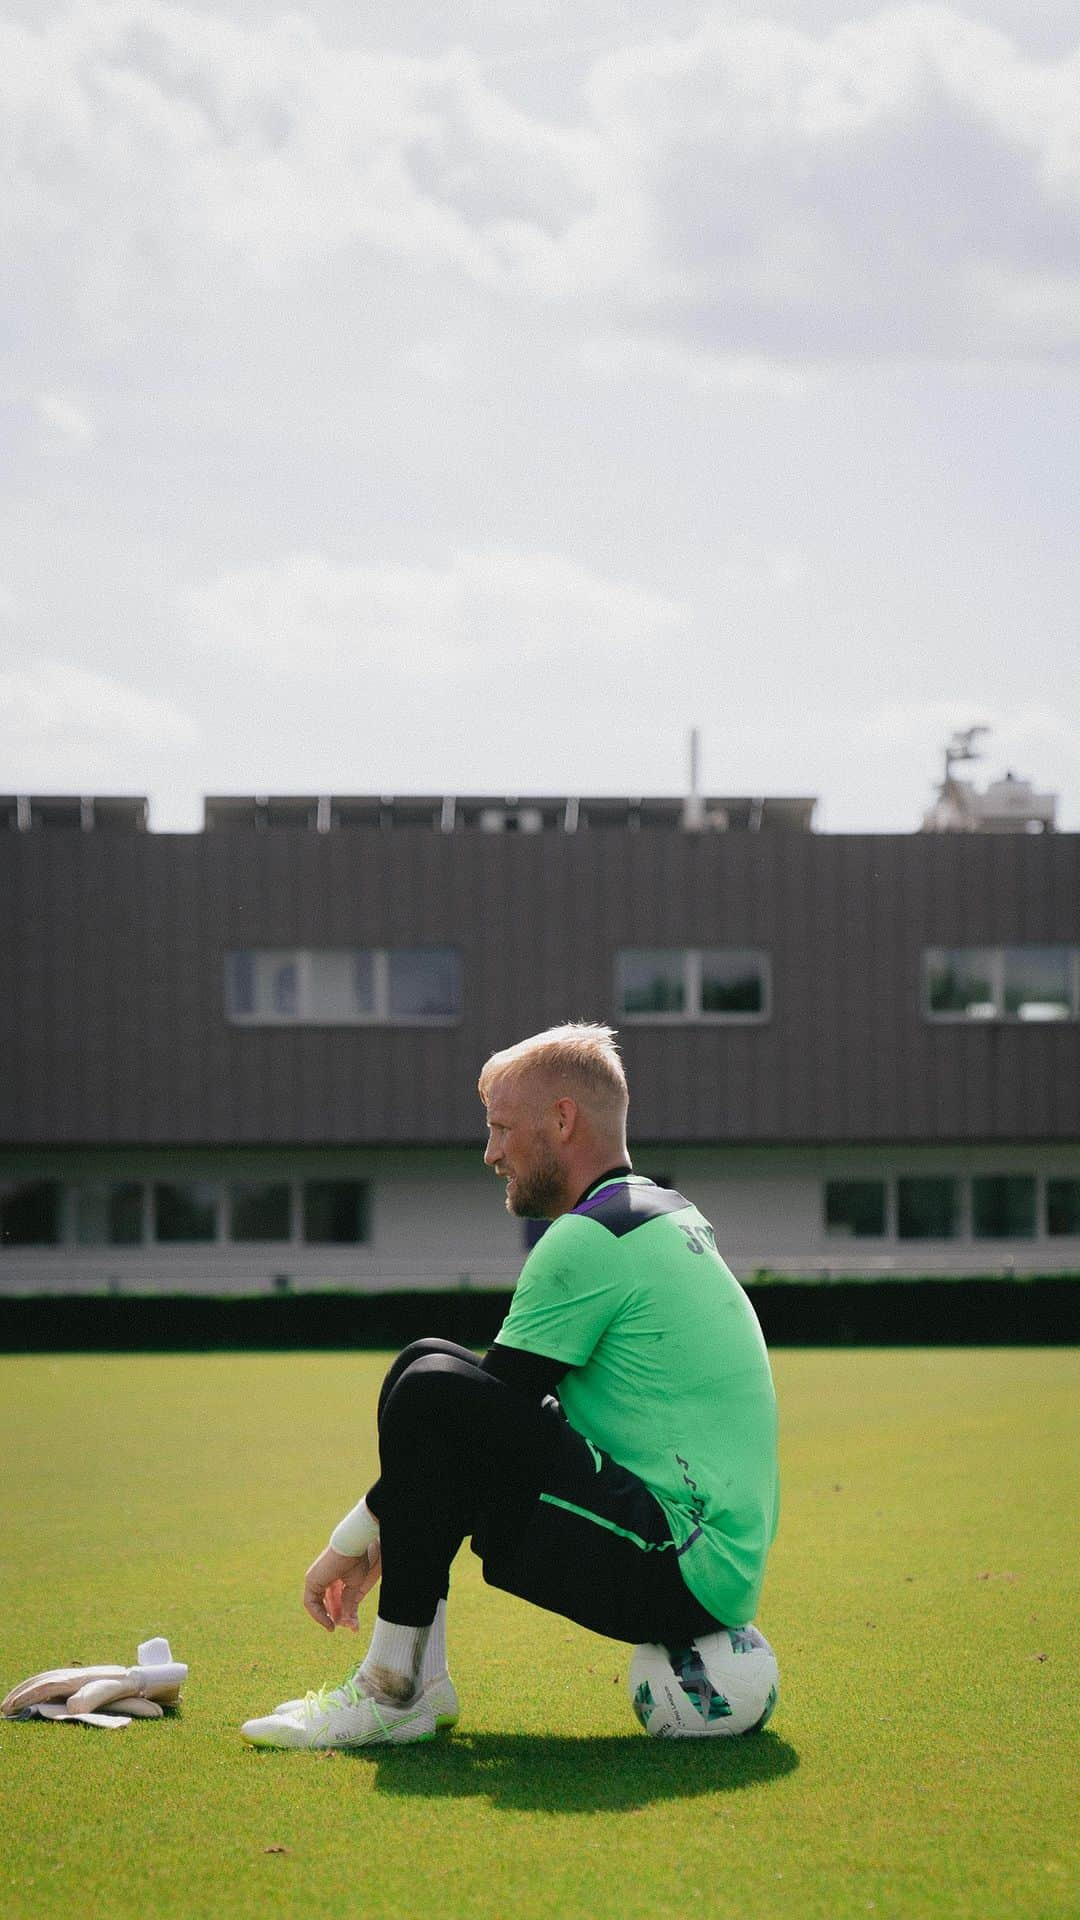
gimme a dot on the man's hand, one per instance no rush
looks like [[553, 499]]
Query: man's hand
[[335, 1584]]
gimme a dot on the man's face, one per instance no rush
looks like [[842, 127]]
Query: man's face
[[521, 1148]]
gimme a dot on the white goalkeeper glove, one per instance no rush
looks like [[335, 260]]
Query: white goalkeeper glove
[[80, 1693]]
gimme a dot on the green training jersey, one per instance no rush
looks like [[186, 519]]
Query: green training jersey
[[668, 1373]]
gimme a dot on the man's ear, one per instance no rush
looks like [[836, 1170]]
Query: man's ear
[[566, 1114]]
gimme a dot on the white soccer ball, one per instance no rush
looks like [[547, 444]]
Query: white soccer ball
[[723, 1683]]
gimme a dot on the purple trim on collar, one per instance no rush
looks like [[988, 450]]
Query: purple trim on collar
[[595, 1199]]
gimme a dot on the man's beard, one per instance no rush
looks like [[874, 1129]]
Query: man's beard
[[538, 1194]]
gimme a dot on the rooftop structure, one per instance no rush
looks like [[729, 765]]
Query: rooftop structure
[[509, 813], [1009, 805], [73, 812], [442, 813]]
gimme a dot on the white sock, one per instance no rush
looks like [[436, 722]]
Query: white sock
[[391, 1665], [433, 1663]]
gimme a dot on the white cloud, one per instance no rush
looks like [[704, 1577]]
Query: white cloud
[[66, 420], [66, 727], [150, 143], [849, 194], [440, 361], [630, 356], [305, 617], [905, 183], [761, 576], [1047, 306]]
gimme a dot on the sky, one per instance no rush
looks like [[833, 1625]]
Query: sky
[[476, 399]]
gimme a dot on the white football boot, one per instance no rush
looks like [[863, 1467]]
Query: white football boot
[[346, 1716], [440, 1693]]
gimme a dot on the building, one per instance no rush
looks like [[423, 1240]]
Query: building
[[245, 1059]]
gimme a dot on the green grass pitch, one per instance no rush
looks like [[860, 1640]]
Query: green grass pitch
[[921, 1598]]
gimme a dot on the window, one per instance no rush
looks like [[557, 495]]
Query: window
[[185, 1211], [1031, 984], [340, 985], [1036, 983], [960, 981], [425, 984], [692, 983], [1063, 1206], [261, 984], [651, 981], [343, 986], [30, 1214], [260, 1210], [732, 982], [855, 1207], [1003, 1206], [925, 1208], [335, 1212], [109, 1214]]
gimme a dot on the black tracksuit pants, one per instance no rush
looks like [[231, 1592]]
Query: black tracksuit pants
[[552, 1518]]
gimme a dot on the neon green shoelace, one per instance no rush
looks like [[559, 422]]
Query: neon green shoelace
[[321, 1699]]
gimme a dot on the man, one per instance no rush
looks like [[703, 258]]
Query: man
[[613, 1456]]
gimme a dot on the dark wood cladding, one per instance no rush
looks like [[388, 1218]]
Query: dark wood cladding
[[112, 1022]]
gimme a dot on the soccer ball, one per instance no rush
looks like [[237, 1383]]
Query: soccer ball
[[724, 1683]]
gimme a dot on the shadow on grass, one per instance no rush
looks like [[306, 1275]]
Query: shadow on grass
[[557, 1774]]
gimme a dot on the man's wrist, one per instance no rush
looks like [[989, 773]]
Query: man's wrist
[[355, 1532], [325, 1560]]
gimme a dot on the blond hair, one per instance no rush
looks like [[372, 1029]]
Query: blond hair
[[580, 1057]]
